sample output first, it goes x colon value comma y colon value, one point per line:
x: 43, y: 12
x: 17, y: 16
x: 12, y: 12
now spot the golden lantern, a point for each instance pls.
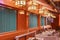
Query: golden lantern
x: 53, y: 16
x: 21, y: 12
x: 32, y: 5
x: 42, y: 10
x: 20, y: 2
x: 32, y: 2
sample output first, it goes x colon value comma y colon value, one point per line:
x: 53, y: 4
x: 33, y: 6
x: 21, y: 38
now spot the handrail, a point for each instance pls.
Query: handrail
x: 19, y: 36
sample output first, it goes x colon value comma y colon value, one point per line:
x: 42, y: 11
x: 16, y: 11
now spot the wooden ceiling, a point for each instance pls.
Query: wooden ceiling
x: 46, y: 3
x: 54, y: 3
x: 56, y: 0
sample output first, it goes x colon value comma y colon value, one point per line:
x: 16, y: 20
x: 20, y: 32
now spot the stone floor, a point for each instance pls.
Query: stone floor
x: 47, y: 35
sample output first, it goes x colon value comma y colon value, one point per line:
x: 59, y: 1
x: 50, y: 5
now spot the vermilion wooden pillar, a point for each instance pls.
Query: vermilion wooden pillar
x: 27, y: 21
x: 39, y: 22
x: 21, y: 22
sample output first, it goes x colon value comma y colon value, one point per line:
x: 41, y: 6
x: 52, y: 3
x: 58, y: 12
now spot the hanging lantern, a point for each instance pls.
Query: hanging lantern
x: 47, y: 13
x: 53, y: 16
x: 41, y: 10
x: 21, y: 12
x: 32, y: 7
x: 32, y: 2
x: 20, y: 2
